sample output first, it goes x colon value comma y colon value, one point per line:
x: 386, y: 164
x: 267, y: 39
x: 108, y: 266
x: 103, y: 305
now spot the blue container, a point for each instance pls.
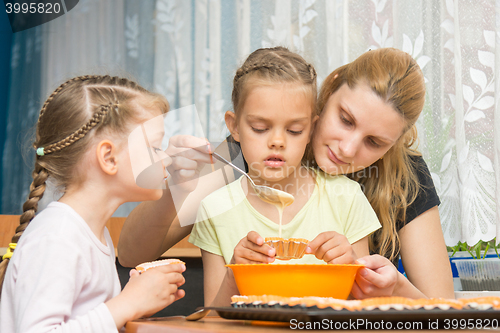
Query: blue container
x: 458, y: 255
x: 479, y: 274
x: 465, y: 255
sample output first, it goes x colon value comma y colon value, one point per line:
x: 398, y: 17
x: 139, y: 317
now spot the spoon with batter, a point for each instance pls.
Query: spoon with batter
x: 266, y: 193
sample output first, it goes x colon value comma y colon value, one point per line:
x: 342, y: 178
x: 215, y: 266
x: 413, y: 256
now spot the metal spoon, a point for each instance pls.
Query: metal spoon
x: 198, y: 314
x: 268, y: 194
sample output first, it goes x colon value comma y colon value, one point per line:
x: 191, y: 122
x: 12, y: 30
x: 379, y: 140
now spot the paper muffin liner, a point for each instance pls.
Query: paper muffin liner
x: 286, y: 249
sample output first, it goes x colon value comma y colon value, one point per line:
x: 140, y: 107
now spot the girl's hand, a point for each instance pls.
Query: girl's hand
x: 378, y: 278
x: 332, y: 247
x: 147, y: 293
x: 189, y: 155
x: 156, y: 288
x: 252, y: 250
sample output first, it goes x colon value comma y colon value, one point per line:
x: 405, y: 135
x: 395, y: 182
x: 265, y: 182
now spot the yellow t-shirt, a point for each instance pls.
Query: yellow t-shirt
x: 336, y: 204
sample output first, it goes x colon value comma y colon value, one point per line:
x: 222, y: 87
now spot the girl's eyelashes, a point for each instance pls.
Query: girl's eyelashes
x: 345, y: 120
x: 156, y: 149
x: 262, y: 130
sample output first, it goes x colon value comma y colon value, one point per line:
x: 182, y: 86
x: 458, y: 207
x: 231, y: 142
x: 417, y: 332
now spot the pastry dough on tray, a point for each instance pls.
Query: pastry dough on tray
x: 377, y: 303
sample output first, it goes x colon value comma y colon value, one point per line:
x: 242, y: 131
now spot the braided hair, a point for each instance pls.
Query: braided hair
x: 268, y: 66
x: 79, y: 109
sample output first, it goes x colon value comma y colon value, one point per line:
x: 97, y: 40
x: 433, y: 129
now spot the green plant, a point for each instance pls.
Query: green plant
x: 475, y: 250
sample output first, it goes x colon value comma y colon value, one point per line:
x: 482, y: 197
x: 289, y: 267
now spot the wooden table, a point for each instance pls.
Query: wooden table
x: 178, y: 324
x: 209, y: 324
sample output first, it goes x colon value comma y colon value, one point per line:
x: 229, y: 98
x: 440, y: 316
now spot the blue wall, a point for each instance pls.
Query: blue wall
x: 5, y: 52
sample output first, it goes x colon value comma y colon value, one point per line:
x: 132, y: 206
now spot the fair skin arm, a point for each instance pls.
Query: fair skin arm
x: 420, y: 259
x: 217, y: 280
x: 157, y: 223
x: 148, y: 224
x: 381, y: 278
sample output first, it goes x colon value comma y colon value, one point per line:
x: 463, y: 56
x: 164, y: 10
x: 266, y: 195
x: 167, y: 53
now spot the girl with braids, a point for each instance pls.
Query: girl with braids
x: 366, y: 129
x: 274, y: 98
x: 62, y: 276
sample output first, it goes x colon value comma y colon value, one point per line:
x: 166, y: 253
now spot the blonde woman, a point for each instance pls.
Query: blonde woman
x: 366, y: 130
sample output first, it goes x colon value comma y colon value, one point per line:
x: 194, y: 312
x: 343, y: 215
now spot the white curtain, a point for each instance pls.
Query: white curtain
x: 189, y: 51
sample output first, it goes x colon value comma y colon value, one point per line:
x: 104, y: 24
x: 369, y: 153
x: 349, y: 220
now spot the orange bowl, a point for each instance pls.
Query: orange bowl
x: 295, y: 280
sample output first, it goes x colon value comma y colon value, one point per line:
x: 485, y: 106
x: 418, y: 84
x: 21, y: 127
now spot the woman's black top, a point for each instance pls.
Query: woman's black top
x: 427, y: 197
x: 425, y: 200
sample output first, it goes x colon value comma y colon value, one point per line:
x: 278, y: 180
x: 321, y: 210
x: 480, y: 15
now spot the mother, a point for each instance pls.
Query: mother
x: 368, y: 109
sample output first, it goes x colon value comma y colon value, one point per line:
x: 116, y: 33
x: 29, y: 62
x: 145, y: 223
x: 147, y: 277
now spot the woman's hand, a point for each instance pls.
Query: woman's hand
x: 147, y: 293
x: 378, y: 278
x: 189, y: 155
x: 252, y: 250
x: 332, y: 247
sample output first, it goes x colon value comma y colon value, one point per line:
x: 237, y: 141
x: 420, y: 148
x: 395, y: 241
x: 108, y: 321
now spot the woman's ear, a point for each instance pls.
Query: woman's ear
x: 107, y: 156
x: 231, y: 124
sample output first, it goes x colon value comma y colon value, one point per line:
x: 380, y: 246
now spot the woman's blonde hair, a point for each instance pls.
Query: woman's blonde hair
x: 269, y: 66
x: 398, y: 80
x: 72, y: 115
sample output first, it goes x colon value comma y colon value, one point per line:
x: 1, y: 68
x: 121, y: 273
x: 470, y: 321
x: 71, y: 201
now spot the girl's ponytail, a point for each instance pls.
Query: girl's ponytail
x: 30, y: 207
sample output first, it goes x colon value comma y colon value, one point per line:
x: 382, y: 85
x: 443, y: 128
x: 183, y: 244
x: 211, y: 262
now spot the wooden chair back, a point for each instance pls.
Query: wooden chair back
x: 9, y: 223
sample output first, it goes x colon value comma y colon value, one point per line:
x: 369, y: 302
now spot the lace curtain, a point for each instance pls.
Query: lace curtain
x: 189, y: 51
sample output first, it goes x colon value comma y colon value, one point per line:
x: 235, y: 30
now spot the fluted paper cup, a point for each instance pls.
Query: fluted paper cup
x: 286, y: 249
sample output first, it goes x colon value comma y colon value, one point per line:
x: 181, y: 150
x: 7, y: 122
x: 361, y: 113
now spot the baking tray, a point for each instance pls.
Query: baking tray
x: 451, y: 318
